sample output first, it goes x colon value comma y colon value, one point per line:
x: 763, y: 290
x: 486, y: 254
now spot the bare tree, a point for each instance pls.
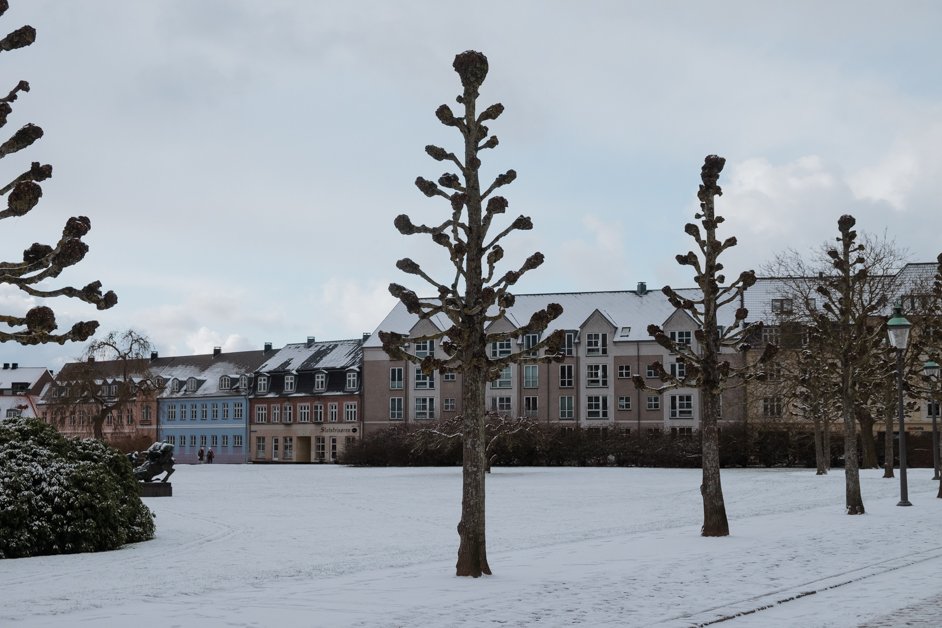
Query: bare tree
x: 473, y: 298
x: 40, y: 261
x: 706, y: 367
x: 113, y: 375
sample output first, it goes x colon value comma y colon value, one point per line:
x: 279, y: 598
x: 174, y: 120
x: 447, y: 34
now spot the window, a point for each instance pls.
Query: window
x: 214, y: 440
x: 263, y: 383
x: 192, y: 440
x: 237, y: 411
x: 259, y: 446
x: 275, y: 413
x: 320, y: 381
x: 287, y: 414
x: 500, y: 348
x: 237, y: 440
x: 13, y: 412
x: 129, y: 416
x: 172, y: 412
x: 318, y: 413
x: 679, y: 369
x: 932, y: 409
x: 289, y: 447
x: 773, y: 371
x: 596, y: 407
x: 191, y: 384
x: 449, y: 377
x: 782, y: 306
x: 274, y: 448
x: 172, y: 439
x: 350, y: 411
x: 596, y: 344
x: 771, y: 334
x: 566, y: 410
x: 624, y: 371
x: 225, y: 409
x: 449, y: 405
x: 423, y: 381
x: 225, y: 440
x: 424, y: 348
x: 531, y: 407
x: 565, y: 375
x: 395, y: 378
x: 654, y: 402
x: 214, y: 413
x: 192, y: 411
x: 649, y: 371
x: 174, y: 385
x: 501, y: 404
x: 320, y: 448
x: 425, y: 407
x: 304, y: 413
x: 225, y: 383
x: 243, y: 381
x: 624, y: 332
x: 596, y: 375
x: 202, y: 440
x: 624, y: 403
x: 353, y: 380
x: 681, y: 406
x: 772, y: 406
x: 261, y: 414
x: 204, y: 412
x: 289, y: 383
x: 504, y: 380
x: 530, y: 341
x: 531, y: 375
x: 569, y: 343
x: 681, y: 338
x: 395, y: 408
x: 332, y: 412
x: 145, y: 413
x: 681, y: 431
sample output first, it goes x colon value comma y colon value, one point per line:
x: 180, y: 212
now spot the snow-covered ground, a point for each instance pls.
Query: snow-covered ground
x: 335, y: 546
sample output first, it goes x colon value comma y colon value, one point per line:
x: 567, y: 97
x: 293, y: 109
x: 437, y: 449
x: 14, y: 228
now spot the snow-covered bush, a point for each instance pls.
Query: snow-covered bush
x: 62, y: 496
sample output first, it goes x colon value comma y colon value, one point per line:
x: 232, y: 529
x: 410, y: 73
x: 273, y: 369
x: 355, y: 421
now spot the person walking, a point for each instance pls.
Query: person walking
x: 199, y: 455
x: 210, y: 455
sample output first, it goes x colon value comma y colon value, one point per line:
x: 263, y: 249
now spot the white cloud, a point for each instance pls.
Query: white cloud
x: 353, y: 307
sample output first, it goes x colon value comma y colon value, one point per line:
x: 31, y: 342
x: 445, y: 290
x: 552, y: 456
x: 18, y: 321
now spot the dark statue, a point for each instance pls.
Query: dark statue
x: 157, y: 459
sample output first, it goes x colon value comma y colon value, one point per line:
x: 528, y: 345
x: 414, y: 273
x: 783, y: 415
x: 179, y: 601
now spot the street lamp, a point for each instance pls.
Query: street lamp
x: 931, y: 369
x: 897, y: 328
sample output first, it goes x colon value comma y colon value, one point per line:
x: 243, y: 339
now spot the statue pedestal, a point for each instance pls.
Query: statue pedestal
x: 156, y: 489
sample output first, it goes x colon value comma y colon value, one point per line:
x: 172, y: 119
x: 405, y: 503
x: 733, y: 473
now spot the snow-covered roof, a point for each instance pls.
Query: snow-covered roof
x: 626, y: 310
x: 207, y: 369
x: 29, y: 374
x: 312, y: 356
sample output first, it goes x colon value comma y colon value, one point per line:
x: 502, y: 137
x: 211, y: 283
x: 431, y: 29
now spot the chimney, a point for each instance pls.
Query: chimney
x: 267, y: 347
x: 217, y: 351
x: 6, y: 366
x: 91, y: 359
x: 642, y: 288
x: 14, y: 365
x: 153, y: 355
x: 366, y: 336
x: 310, y: 341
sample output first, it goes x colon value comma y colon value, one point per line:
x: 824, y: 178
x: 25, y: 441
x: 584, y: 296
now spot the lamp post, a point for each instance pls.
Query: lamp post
x: 931, y: 369
x: 897, y: 328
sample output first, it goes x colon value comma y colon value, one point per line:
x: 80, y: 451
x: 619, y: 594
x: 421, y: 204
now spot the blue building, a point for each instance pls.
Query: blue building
x: 204, y: 403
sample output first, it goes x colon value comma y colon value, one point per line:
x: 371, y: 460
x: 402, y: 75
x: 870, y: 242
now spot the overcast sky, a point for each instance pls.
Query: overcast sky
x: 242, y: 161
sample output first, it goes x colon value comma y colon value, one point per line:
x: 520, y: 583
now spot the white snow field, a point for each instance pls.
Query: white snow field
x: 332, y: 546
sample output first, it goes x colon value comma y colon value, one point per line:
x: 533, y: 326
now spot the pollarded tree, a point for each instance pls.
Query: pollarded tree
x: 113, y: 377
x: 474, y: 297
x: 40, y: 261
x: 706, y: 366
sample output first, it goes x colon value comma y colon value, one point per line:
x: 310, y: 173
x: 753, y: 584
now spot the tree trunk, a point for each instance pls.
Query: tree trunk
x: 888, y: 454
x: 472, y: 550
x: 853, y: 498
x: 867, y: 442
x: 819, y: 459
x: 714, y: 508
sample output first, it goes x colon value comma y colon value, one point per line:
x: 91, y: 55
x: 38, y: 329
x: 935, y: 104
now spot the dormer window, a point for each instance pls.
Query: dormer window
x: 782, y: 306
x: 174, y: 385
x: 244, y: 381
x: 500, y: 348
x: 530, y: 341
x: 159, y: 382
x: 353, y: 380
x: 191, y: 384
x: 263, y: 383
x: 596, y: 344
x: 289, y: 383
x: 569, y: 343
x: 424, y: 348
x: 225, y: 382
x: 320, y: 381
